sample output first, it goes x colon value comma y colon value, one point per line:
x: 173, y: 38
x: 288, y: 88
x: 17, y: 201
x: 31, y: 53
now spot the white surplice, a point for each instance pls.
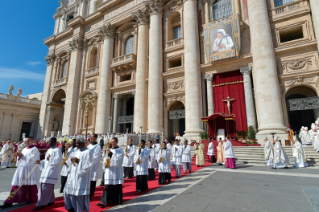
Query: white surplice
x: 210, y: 150
x: 128, y: 160
x: 305, y: 137
x: 229, y: 150
x: 79, y: 180
x: 186, y: 156
x: 7, y: 155
x: 268, y: 153
x: 177, y: 152
x: 314, y: 138
x: 151, y: 158
x: 96, y: 151
x: 26, y: 164
x: 114, y: 173
x: 66, y: 167
x: 280, y: 158
x: 165, y: 165
x: 157, y: 148
x: 168, y: 146
x: 299, y: 155
x: 51, y: 168
x: 142, y: 168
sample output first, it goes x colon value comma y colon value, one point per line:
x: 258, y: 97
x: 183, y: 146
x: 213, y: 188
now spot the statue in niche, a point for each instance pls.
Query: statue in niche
x: 55, y: 126
x: 11, y: 88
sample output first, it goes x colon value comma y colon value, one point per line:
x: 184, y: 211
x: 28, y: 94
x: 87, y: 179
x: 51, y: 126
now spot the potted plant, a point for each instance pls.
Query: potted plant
x: 203, y: 135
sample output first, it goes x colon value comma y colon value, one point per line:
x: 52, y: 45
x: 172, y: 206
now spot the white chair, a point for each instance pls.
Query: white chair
x: 221, y: 134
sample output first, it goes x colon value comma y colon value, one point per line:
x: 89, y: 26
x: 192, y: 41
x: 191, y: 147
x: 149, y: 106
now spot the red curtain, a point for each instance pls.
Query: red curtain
x: 235, y: 91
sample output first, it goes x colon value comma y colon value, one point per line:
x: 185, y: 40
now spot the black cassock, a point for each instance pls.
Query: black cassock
x: 141, y: 183
x: 128, y: 172
x: 112, y: 194
x: 151, y: 174
x: 163, y: 177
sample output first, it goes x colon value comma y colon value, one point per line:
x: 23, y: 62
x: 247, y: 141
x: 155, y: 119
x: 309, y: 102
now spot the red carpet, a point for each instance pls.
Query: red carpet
x: 128, y: 192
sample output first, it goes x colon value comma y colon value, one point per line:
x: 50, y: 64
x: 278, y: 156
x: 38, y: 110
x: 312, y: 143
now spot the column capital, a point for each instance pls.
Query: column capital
x: 191, y: 0
x: 50, y: 59
x: 115, y: 96
x: 245, y: 70
x: 154, y: 6
x: 107, y: 31
x: 76, y: 44
x: 133, y: 92
x: 208, y: 77
x: 141, y: 17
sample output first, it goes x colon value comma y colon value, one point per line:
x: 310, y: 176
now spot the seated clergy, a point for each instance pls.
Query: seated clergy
x: 151, y: 162
x: 128, y: 161
x: 280, y: 158
x: 141, y: 165
x: 268, y: 150
x: 164, y: 166
x: 299, y: 154
x: 186, y: 157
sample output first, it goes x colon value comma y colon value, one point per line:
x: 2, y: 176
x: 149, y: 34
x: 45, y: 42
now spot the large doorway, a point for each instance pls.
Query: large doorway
x: 126, y: 118
x: 176, y: 119
x: 298, y: 115
x: 26, y: 128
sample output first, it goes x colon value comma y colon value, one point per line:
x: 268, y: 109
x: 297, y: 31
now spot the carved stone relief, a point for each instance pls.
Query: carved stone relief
x: 299, y: 63
x: 174, y: 86
x: 299, y: 80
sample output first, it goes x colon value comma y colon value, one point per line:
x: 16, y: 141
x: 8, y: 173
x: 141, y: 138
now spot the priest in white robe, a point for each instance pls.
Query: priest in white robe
x: 67, y: 155
x: 157, y: 148
x: 280, y: 158
x: 96, y: 151
x: 168, y: 144
x: 20, y: 148
x: 29, y: 160
x: 314, y: 136
x: 151, y: 161
x: 186, y: 157
x: 164, y: 166
x: 210, y: 151
x: 220, y: 152
x: 299, y: 154
x: 128, y: 161
x: 173, y: 155
x: 113, y: 177
x: 268, y: 150
x: 50, y: 167
x: 77, y: 187
x: 230, y: 157
x: 177, y: 152
x: 200, y: 155
x: 7, y: 154
x: 141, y: 165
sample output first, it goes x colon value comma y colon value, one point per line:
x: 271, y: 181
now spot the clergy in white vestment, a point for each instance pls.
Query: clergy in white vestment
x: 128, y: 161
x: 210, y: 151
x: 20, y: 148
x: 230, y: 158
x: 305, y: 137
x: 177, y: 152
x: 29, y: 159
x: 299, y: 154
x: 141, y: 165
x: 151, y: 161
x: 157, y: 148
x: 113, y: 177
x: 77, y: 188
x: 168, y: 144
x: 186, y: 157
x: 164, y: 165
x: 314, y: 136
x: 50, y: 167
x: 220, y: 152
x: 171, y: 151
x: 67, y: 155
x: 200, y: 155
x: 96, y: 151
x: 268, y: 151
x: 7, y: 154
x: 280, y: 158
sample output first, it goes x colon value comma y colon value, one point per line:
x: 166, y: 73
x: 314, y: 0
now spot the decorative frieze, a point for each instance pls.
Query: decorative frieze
x: 309, y: 103
x: 175, y: 98
x: 177, y: 85
x: 298, y: 63
x: 176, y: 114
x: 125, y: 119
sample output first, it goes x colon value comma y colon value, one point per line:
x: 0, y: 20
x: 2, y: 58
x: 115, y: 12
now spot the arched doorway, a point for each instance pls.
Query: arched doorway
x: 55, y: 113
x: 298, y: 115
x: 176, y: 119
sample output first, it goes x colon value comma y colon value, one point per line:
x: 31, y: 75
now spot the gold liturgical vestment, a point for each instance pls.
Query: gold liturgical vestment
x: 220, y: 153
x: 200, y: 158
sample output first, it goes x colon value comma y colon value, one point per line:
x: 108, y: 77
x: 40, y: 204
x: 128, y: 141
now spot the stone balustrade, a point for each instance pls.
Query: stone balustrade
x: 292, y: 8
x: 59, y: 82
x: 174, y: 44
x: 30, y: 101
x: 92, y: 72
x: 4, y: 96
x: 124, y: 62
x: 13, y: 98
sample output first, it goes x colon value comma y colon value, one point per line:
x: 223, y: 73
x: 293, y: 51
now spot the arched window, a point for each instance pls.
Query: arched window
x: 65, y: 69
x: 177, y: 32
x: 282, y: 2
x: 222, y: 9
x: 93, y: 58
x: 129, y: 45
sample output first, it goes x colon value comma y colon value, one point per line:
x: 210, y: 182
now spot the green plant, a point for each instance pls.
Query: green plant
x: 203, y: 135
x: 248, y: 142
x: 251, y: 133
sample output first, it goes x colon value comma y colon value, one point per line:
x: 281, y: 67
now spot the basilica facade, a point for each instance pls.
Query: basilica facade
x: 160, y: 65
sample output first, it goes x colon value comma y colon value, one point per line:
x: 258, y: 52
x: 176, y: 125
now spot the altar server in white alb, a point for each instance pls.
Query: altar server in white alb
x: 280, y: 158
x: 186, y: 157
x: 168, y: 144
x: 6, y: 154
x: 268, y: 150
x: 77, y: 187
x: 113, y: 177
x: 157, y: 148
x: 177, y: 152
x: 67, y: 155
x: 299, y: 154
x: 29, y: 159
x: 230, y: 157
x: 151, y: 162
x: 96, y: 151
x: 164, y: 166
x: 210, y: 151
x: 128, y: 161
x: 20, y: 148
x: 141, y: 165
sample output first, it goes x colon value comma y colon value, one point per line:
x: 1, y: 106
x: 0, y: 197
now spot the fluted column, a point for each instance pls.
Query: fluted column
x: 142, y: 19
x: 249, y: 100
x: 155, y: 87
x: 206, y: 11
x: 193, y: 100
x: 315, y: 18
x: 104, y: 99
x: 115, y: 109
x: 267, y: 93
x: 210, y: 95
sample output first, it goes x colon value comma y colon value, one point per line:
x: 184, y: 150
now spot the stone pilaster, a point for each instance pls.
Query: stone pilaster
x: 193, y: 100
x: 104, y: 99
x: 115, y: 109
x: 206, y: 2
x: 210, y: 94
x: 155, y: 88
x: 140, y: 111
x: 267, y: 93
x: 45, y: 95
x: 249, y: 100
x: 315, y: 18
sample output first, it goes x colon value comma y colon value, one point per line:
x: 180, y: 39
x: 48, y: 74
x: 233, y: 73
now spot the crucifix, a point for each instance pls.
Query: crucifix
x: 228, y: 100
x: 88, y: 102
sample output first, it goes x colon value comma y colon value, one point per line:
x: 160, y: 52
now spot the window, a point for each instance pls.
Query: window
x: 282, y: 2
x: 129, y: 45
x: 291, y: 34
x: 176, y: 62
x: 125, y: 77
x: 65, y: 69
x: 222, y: 9
x: 68, y: 18
x: 177, y: 32
x: 93, y: 58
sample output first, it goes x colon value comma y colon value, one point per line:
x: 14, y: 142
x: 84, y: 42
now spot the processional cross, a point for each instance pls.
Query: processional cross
x: 88, y: 102
x: 228, y: 100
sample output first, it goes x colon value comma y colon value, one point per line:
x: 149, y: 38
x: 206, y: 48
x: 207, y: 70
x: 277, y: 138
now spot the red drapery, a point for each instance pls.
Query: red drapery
x: 231, y: 84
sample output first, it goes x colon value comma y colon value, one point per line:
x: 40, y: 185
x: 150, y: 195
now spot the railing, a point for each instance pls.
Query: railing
x: 3, y: 96
x: 59, y: 82
x: 289, y: 8
x: 175, y: 42
x: 124, y: 58
x: 125, y: 119
x: 30, y: 101
x: 124, y: 62
x: 92, y: 72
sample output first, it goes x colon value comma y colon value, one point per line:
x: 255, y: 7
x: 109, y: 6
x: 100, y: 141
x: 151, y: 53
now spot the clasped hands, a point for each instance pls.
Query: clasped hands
x: 75, y: 160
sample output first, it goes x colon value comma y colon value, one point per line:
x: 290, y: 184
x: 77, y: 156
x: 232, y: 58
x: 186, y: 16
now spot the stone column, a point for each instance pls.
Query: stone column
x: 206, y: 11
x: 104, y: 99
x: 315, y: 18
x: 193, y: 99
x: 141, y: 68
x: 49, y: 121
x: 116, y: 105
x: 249, y: 100
x: 155, y: 82
x: 267, y: 92
x: 45, y: 95
x: 210, y: 94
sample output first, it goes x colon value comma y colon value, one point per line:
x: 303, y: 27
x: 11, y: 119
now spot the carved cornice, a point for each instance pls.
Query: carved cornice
x: 141, y: 17
x: 77, y: 44
x: 154, y: 6
x: 107, y: 31
x: 209, y: 77
x: 50, y: 59
x: 245, y: 70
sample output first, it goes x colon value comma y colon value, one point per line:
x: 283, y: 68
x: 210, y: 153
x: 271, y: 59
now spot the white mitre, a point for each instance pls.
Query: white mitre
x: 313, y: 126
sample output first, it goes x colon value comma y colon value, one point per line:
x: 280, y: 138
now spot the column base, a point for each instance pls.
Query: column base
x: 192, y: 135
x: 260, y: 136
